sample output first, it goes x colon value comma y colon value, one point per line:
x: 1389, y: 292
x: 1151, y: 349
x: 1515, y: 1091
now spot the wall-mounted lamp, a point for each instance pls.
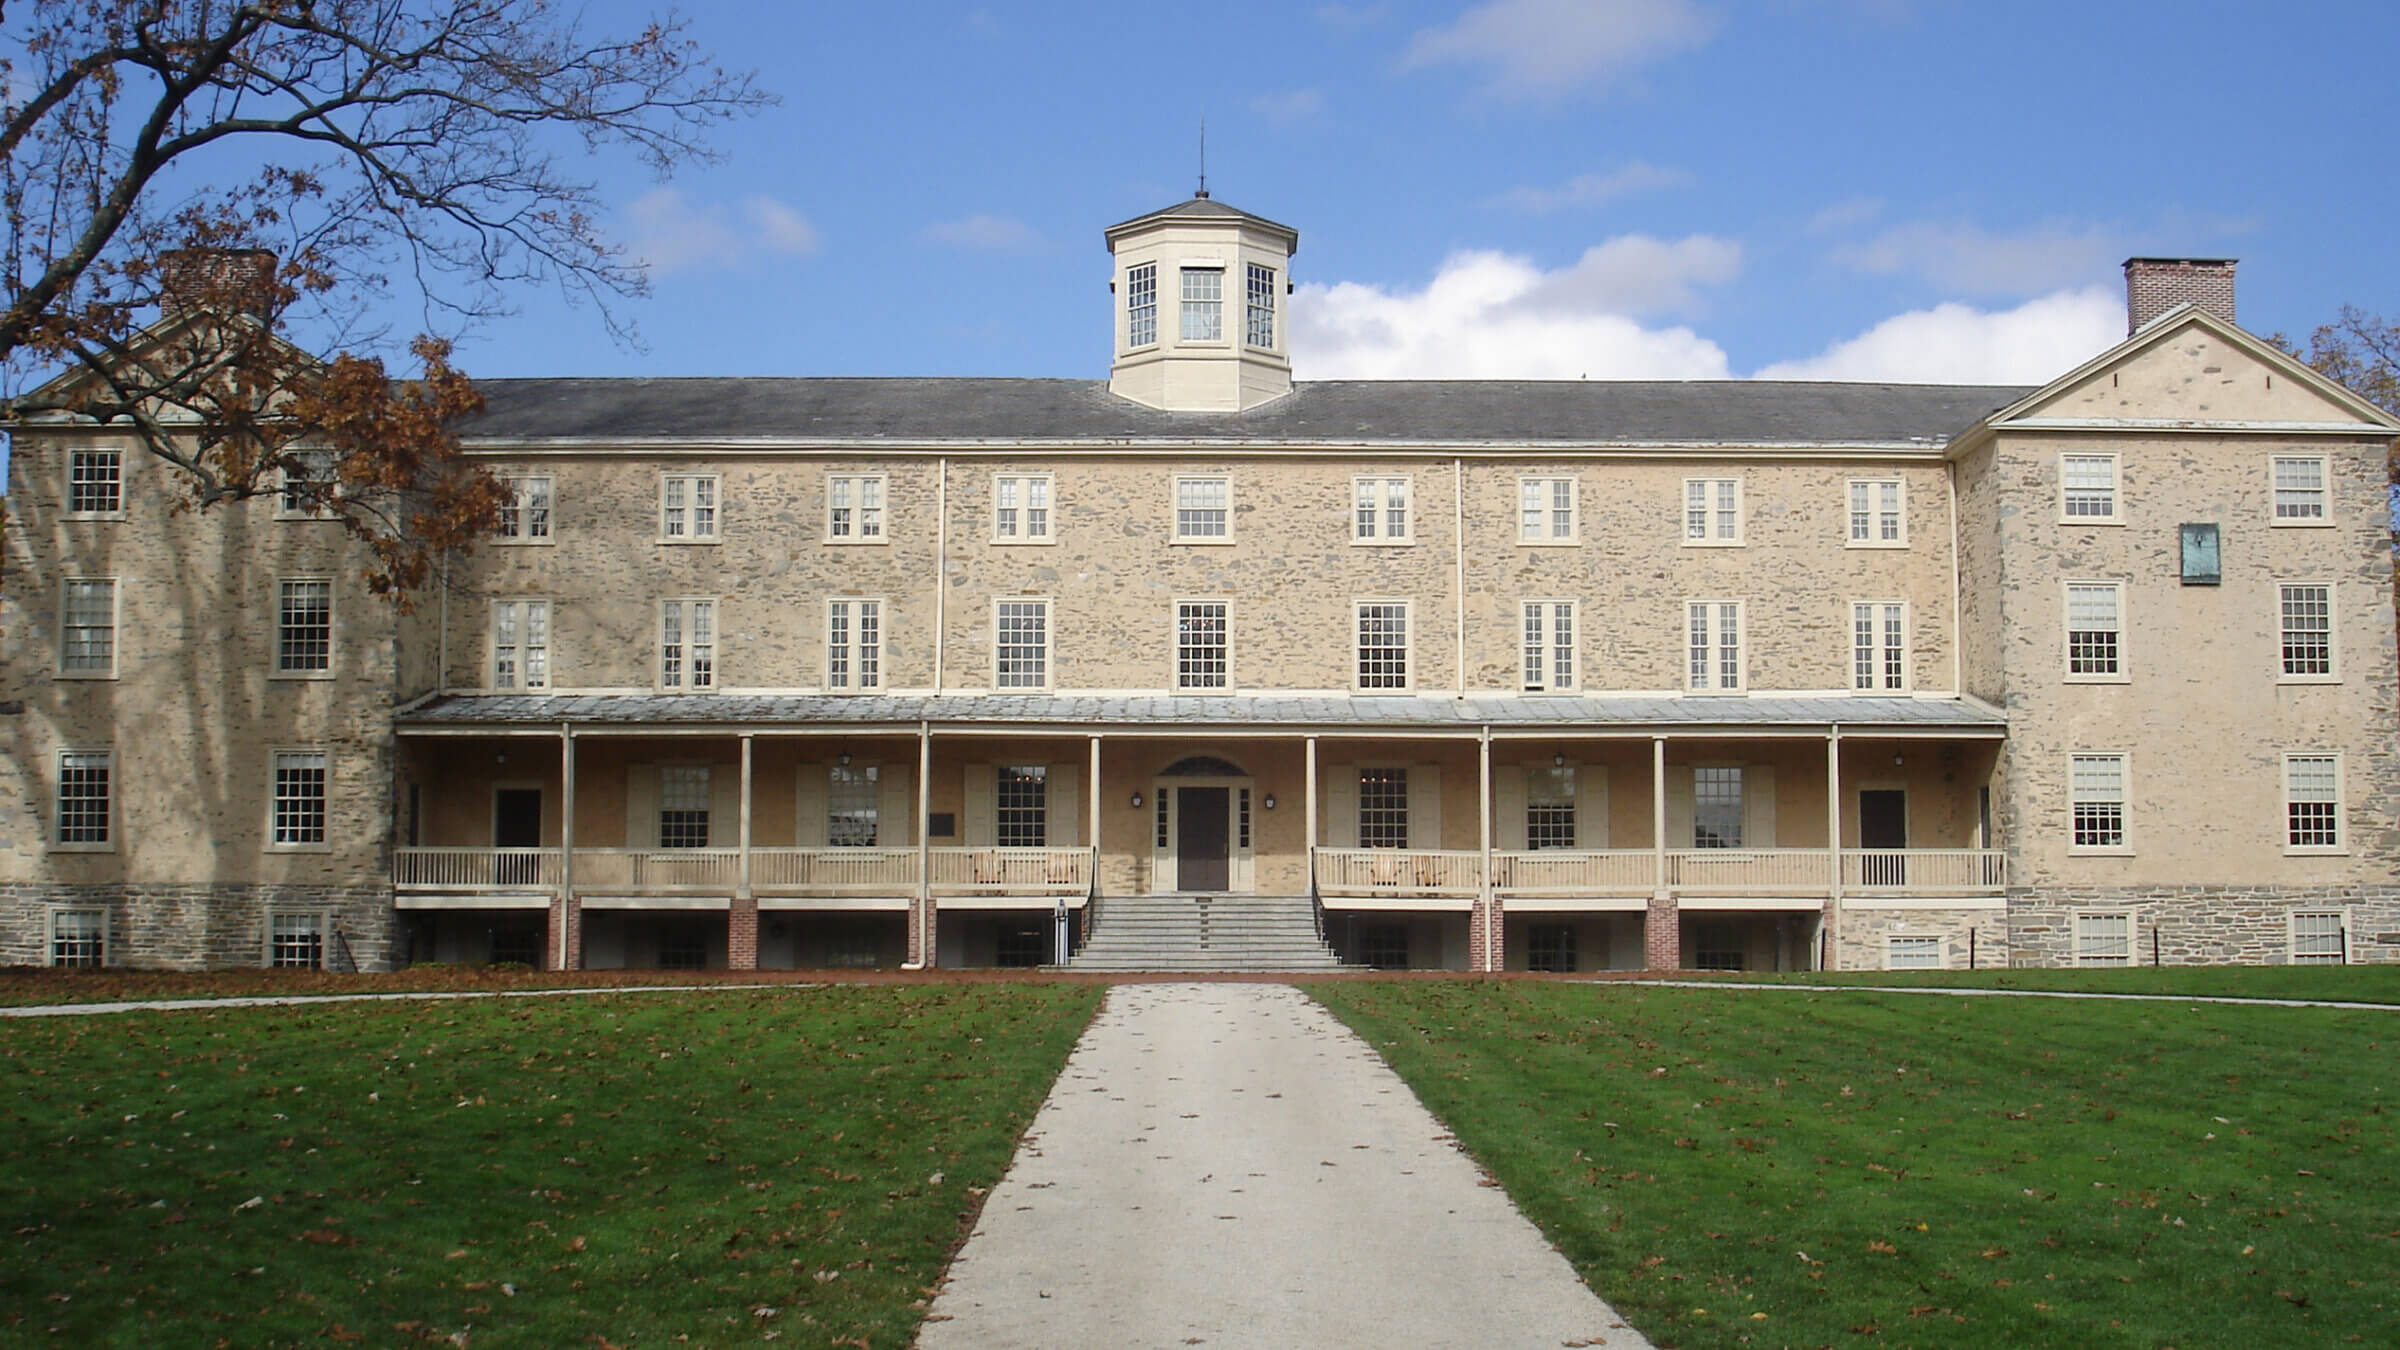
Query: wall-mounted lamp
x: 501, y: 758
x: 1559, y: 760
x: 843, y: 759
x: 1268, y: 801
x: 1898, y: 758
x: 1137, y: 801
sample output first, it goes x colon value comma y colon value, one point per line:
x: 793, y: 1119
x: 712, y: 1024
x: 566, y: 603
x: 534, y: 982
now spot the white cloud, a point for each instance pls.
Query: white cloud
x: 1550, y: 46
x: 1958, y: 344
x: 1971, y: 259
x: 1489, y: 315
x: 1636, y: 274
x: 1845, y: 213
x: 1593, y: 189
x: 669, y: 233
x: 991, y: 234
x: 1287, y: 109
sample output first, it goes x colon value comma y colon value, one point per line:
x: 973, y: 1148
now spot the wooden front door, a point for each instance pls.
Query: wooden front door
x: 1883, y: 824
x: 1202, y: 839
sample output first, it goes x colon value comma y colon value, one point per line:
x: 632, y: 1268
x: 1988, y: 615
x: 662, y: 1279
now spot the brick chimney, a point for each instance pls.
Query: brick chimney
x: 2155, y: 285
x: 217, y: 280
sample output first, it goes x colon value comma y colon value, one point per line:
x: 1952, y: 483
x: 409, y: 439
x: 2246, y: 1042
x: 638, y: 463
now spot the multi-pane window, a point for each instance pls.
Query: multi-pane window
x: 1379, y: 509
x: 683, y: 947
x: 2318, y: 939
x: 2307, y: 610
x: 1546, y: 510
x: 1021, y: 806
x: 1550, y: 806
x: 2299, y: 489
x: 854, y: 506
x: 1717, y: 806
x: 1141, y: 305
x: 1912, y: 952
x: 1879, y: 646
x: 854, y: 644
x: 1021, y: 508
x: 95, y: 482
x: 2312, y: 802
x: 1384, y: 946
x: 1203, y: 304
x: 852, y: 802
x: 2096, y: 800
x: 1712, y: 510
x: 1876, y: 518
x: 2104, y: 939
x: 1021, y: 644
x: 1548, y: 627
x: 2095, y: 624
x: 1713, y: 643
x: 83, y: 797
x: 1203, y: 510
x: 1258, y: 329
x: 525, y: 516
x: 687, y: 644
x: 78, y: 937
x: 308, y: 481
x: 1550, y: 947
x: 87, y: 626
x: 2087, y: 487
x: 1383, y: 644
x: 1201, y: 660
x: 520, y: 644
x: 296, y: 941
x: 1383, y: 808
x: 683, y: 805
x: 299, y: 806
x: 687, y: 506
x: 304, y: 626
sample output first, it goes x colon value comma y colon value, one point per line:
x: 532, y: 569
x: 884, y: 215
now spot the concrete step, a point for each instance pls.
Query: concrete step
x: 1220, y: 933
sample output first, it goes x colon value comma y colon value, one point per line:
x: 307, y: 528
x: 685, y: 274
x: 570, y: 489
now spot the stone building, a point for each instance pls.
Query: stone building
x: 1466, y: 675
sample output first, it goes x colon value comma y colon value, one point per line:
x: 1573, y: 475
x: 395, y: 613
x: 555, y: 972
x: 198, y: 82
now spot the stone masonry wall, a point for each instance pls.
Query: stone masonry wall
x: 2204, y: 925
x: 1865, y: 931
x: 201, y: 927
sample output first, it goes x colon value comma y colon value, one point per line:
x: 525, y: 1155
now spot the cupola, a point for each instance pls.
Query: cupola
x: 1199, y: 291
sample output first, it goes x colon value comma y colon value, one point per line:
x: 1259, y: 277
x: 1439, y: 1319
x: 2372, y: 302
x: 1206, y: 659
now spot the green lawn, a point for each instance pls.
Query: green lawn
x: 714, y: 1168
x: 2345, y: 984
x: 1738, y: 1168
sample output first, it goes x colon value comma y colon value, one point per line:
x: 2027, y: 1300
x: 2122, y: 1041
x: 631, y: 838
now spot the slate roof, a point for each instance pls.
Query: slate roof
x: 774, y: 411
x: 1055, y: 711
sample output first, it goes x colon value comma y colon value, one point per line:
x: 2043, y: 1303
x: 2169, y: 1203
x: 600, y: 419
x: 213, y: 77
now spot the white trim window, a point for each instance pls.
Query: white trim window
x: 2300, y: 491
x: 79, y: 938
x: 1204, y: 304
x: 685, y: 792
x: 854, y: 508
x: 1913, y: 951
x: 1879, y: 647
x: 85, y: 801
x: 308, y: 485
x: 2319, y: 937
x: 1550, y: 806
x: 687, y: 508
x: 1382, y: 807
x: 2104, y: 939
x: 1203, y: 509
x: 853, y: 644
x: 1712, y: 512
x: 1379, y: 510
x: 1021, y: 806
x: 853, y: 805
x: 1546, y: 511
x: 1382, y: 665
x: 687, y: 643
x: 96, y: 484
x: 1021, y: 644
x: 2096, y: 803
x: 2095, y: 630
x: 1878, y: 513
x: 1258, y: 326
x: 1141, y: 305
x: 1548, y: 627
x: 1713, y: 645
x: 1203, y: 653
x: 296, y: 941
x: 1021, y: 508
x: 2312, y: 803
x: 1717, y: 806
x: 2306, y: 610
x: 525, y: 516
x: 297, y: 808
x: 87, y: 627
x: 2087, y: 489
x: 520, y: 644
x: 304, y: 626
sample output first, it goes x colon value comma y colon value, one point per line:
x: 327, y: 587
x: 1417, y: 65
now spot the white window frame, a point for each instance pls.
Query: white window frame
x: 2115, y: 488
x: 1393, y: 806
x: 285, y: 507
x: 2341, y: 824
x: 1141, y: 306
x: 1406, y: 647
x: 1880, y: 520
x: 687, y: 529
x: 1891, y: 951
x: 848, y: 517
x: 695, y: 652
x: 1020, y: 524
x: 1538, y: 511
x: 1739, y: 822
x: 1713, y: 511
x: 525, y: 621
x: 854, y: 638
x: 680, y: 785
x: 282, y: 671
x: 1186, y: 654
x: 77, y: 454
x: 2067, y: 630
x: 116, y: 629
x: 2087, y: 938
x: 1549, y: 662
x: 2332, y: 674
x: 57, y: 833
x: 2324, y: 491
x: 1376, y: 527
x: 1712, y: 679
x: 1045, y: 650
x: 1178, y: 506
x: 1883, y: 650
x: 51, y: 937
x: 277, y: 757
x: 531, y: 516
x: 2123, y: 801
x: 1258, y: 306
x: 316, y: 919
x: 1030, y: 825
x: 1205, y: 313
x: 2343, y: 927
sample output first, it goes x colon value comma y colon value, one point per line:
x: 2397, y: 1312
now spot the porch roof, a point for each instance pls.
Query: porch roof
x: 1334, y: 713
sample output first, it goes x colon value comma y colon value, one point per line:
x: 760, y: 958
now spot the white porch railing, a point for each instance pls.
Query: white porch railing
x: 1966, y: 871
x: 1012, y: 871
x: 475, y: 869
x: 834, y: 871
x: 1398, y: 871
x: 1565, y: 871
x: 657, y: 869
x: 1790, y: 871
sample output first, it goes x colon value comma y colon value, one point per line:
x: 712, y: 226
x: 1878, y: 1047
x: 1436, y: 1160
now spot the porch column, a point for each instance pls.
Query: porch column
x: 1485, y: 940
x: 566, y: 915
x: 1092, y: 829
x: 741, y: 917
x: 1662, y: 926
x: 1833, y: 836
x: 920, y: 909
x: 1308, y: 812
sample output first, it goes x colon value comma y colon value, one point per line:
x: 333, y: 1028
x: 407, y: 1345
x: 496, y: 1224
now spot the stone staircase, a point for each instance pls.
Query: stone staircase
x: 1205, y: 933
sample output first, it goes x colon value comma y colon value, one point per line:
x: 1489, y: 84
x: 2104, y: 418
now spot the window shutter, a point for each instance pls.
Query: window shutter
x: 1508, y: 797
x: 725, y: 805
x: 1425, y: 806
x: 982, y: 823
x: 641, y: 806
x: 811, y: 803
x: 896, y: 807
x: 1591, y: 806
x: 1341, y: 805
x: 1758, y: 806
x: 1679, y: 806
x: 1066, y: 805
